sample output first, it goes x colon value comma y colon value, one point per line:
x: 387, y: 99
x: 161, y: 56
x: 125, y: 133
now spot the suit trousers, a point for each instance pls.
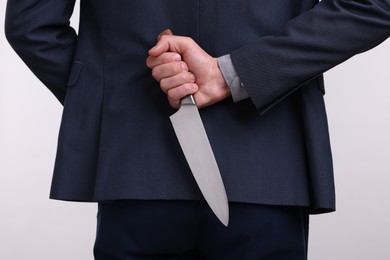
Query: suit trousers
x: 137, y: 229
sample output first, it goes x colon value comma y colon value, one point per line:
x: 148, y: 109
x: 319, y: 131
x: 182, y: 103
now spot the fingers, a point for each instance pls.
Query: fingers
x: 179, y: 79
x: 175, y: 85
x: 166, y: 57
x: 175, y: 95
x: 168, y: 70
x: 166, y: 61
x: 174, y: 77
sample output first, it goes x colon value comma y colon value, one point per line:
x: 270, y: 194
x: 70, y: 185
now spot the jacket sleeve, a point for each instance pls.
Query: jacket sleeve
x: 315, y: 41
x: 39, y: 32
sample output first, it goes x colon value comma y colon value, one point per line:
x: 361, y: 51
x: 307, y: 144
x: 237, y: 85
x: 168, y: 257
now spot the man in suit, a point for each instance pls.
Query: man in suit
x: 117, y: 147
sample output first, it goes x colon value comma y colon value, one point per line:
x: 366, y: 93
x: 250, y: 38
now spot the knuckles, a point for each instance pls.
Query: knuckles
x: 164, y: 84
x: 156, y: 73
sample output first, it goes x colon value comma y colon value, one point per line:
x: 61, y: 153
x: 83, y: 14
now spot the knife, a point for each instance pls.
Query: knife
x: 193, y: 140
x: 197, y: 150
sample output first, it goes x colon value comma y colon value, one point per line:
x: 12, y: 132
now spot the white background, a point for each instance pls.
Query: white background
x: 34, y: 227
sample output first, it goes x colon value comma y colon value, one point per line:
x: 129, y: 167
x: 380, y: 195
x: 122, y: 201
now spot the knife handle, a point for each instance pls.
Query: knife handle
x: 188, y: 100
x: 165, y: 32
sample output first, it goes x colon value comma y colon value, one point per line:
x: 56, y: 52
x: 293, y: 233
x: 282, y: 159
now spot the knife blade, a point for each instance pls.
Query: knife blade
x: 197, y: 150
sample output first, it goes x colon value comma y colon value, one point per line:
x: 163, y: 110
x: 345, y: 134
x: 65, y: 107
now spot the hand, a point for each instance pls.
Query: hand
x: 183, y: 68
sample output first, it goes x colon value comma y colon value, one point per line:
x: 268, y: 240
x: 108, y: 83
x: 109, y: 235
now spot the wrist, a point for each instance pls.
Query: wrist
x: 220, y: 82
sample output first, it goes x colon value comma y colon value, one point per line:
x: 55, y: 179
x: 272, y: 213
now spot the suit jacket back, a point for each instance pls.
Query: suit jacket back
x: 116, y: 141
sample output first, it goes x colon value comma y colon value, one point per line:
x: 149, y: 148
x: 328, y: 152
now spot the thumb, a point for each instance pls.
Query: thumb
x: 170, y: 43
x: 161, y: 46
x: 157, y: 50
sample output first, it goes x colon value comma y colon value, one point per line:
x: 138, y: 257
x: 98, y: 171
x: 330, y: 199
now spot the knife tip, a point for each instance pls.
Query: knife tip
x: 224, y: 219
x: 226, y: 223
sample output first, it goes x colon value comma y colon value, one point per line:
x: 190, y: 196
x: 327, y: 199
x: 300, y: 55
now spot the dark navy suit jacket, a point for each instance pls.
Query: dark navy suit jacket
x: 116, y: 141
